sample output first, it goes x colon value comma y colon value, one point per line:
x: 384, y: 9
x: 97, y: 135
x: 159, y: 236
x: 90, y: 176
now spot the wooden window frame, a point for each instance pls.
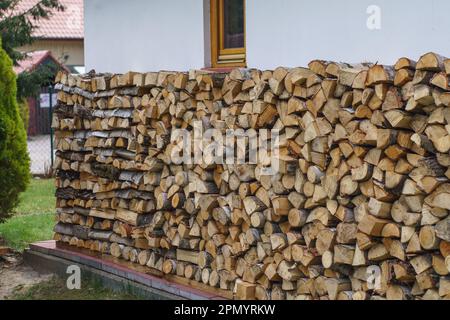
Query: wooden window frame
x: 221, y: 57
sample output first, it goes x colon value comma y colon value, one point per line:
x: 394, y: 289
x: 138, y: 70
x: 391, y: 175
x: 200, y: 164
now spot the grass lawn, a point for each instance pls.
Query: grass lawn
x: 34, y: 218
x: 34, y: 221
x: 56, y: 289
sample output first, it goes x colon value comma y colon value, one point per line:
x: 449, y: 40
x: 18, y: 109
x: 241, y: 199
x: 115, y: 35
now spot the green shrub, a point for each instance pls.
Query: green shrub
x: 14, y: 159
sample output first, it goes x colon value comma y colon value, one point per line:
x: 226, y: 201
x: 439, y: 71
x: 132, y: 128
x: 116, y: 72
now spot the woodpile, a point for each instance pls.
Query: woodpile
x: 358, y: 209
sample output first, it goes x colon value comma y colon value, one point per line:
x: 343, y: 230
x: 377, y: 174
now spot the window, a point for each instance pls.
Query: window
x: 228, y: 33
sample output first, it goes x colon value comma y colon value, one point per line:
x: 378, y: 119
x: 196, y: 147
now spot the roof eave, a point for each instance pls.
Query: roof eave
x: 58, y: 38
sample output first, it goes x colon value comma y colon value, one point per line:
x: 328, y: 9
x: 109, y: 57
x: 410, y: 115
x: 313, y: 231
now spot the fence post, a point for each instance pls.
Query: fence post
x: 50, y: 92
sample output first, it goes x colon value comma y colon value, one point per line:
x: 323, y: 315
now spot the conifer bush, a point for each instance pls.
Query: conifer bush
x: 14, y: 159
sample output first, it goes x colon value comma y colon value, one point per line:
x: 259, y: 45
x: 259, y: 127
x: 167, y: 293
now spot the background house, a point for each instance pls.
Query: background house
x: 39, y: 123
x: 183, y: 34
x: 40, y: 120
x: 59, y: 42
x: 62, y: 34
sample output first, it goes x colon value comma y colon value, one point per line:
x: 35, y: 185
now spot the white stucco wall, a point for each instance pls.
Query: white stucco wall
x: 294, y: 32
x: 144, y: 35
x: 148, y: 35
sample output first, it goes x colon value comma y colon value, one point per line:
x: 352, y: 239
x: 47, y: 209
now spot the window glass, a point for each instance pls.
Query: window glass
x: 233, y: 29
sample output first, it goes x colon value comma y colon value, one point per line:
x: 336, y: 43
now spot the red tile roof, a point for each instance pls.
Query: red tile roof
x: 67, y: 24
x: 33, y: 60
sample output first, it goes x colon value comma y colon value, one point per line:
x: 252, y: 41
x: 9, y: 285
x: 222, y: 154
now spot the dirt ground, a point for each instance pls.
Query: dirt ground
x: 15, y: 277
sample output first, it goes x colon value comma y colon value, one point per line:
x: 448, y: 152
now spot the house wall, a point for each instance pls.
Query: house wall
x: 144, y: 35
x: 174, y: 34
x: 294, y: 32
x: 72, y: 49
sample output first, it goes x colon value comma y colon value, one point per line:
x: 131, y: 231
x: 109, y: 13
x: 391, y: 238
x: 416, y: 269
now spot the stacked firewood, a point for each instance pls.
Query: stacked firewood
x: 357, y: 208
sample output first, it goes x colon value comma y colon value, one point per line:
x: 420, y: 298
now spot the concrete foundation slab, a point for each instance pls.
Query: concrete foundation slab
x: 118, y: 275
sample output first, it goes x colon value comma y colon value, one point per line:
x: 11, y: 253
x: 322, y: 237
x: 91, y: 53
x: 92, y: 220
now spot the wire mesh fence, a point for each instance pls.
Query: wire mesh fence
x: 40, y: 146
